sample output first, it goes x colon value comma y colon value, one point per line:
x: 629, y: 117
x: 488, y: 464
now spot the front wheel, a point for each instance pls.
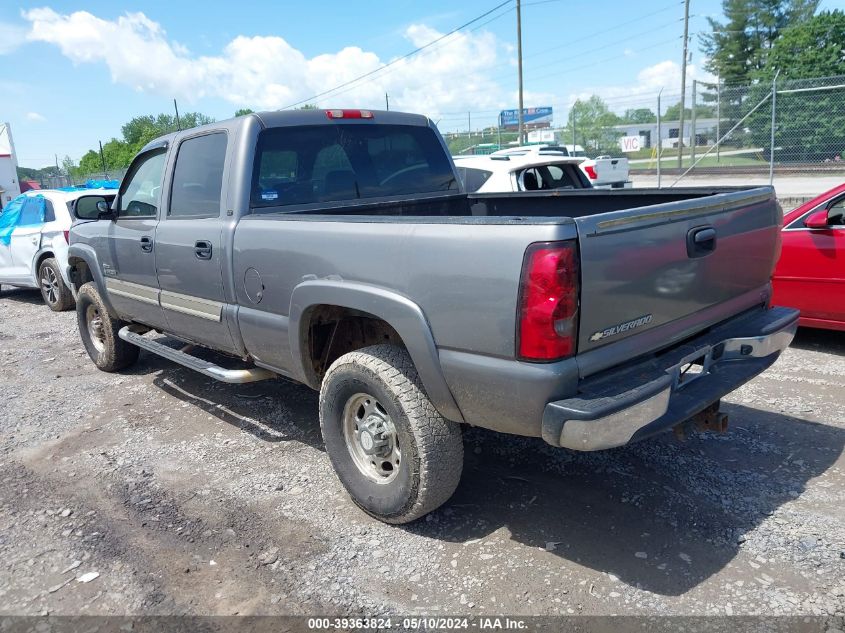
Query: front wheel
x: 398, y: 458
x: 99, y: 329
x: 55, y: 293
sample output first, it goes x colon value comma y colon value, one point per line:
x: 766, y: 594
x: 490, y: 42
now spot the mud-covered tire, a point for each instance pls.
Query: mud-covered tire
x: 108, y: 351
x: 431, y: 446
x: 55, y: 293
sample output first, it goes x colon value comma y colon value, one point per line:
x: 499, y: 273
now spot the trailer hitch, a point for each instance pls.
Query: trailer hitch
x: 709, y: 419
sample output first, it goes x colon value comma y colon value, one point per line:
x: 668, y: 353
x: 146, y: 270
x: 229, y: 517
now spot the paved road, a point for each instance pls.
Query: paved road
x: 787, y: 186
x: 192, y: 497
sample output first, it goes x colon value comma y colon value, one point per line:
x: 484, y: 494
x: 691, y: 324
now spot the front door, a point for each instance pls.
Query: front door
x: 812, y: 268
x: 128, y: 258
x: 189, y: 247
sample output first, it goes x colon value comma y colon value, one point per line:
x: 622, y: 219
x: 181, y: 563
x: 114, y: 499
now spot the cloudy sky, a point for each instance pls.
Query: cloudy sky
x: 73, y: 72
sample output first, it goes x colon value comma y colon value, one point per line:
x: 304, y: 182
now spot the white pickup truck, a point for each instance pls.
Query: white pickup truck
x: 603, y: 172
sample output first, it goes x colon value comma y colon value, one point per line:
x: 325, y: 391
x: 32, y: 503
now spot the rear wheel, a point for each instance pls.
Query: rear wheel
x: 398, y: 458
x: 99, y: 329
x: 55, y: 293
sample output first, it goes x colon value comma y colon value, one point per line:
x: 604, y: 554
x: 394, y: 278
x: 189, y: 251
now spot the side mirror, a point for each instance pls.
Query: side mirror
x: 817, y: 220
x: 103, y: 210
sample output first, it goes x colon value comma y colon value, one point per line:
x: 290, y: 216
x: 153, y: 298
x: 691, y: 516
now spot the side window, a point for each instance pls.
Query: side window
x: 141, y: 194
x: 475, y: 178
x: 49, y: 211
x: 198, y: 176
x: 836, y: 213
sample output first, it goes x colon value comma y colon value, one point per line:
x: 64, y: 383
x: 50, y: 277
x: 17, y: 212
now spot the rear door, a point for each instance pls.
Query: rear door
x: 189, y: 247
x: 26, y: 238
x: 128, y: 252
x: 676, y: 267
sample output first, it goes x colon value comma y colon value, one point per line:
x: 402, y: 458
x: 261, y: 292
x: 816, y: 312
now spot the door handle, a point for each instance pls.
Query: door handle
x: 701, y: 241
x: 147, y: 244
x: 202, y: 249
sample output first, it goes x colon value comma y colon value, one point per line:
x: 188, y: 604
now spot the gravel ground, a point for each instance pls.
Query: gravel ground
x: 186, y: 496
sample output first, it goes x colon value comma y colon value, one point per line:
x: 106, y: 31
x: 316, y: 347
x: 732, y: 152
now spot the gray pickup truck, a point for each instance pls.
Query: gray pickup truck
x: 337, y: 248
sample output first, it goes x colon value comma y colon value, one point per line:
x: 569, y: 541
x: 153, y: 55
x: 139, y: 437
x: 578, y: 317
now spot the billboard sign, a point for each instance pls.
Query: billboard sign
x: 531, y: 118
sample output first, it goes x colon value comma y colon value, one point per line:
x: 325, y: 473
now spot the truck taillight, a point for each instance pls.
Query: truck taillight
x: 547, y: 318
x: 349, y: 114
x: 67, y: 236
x: 591, y: 172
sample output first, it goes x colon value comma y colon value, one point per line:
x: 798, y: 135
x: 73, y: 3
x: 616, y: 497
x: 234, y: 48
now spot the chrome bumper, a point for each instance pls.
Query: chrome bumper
x: 619, y: 407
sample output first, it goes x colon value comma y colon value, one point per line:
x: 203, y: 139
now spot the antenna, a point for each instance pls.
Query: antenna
x: 178, y: 122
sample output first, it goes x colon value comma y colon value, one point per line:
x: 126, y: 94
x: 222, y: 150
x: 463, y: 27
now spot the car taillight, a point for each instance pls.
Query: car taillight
x: 547, y: 318
x: 591, y: 172
x: 349, y: 114
x: 67, y: 236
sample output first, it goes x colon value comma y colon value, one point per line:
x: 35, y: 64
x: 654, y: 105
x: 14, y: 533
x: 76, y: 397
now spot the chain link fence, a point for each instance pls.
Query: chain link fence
x: 782, y: 127
x: 65, y: 180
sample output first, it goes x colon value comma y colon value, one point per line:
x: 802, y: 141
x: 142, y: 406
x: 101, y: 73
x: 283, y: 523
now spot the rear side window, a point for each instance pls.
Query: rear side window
x: 326, y: 163
x: 198, y: 176
x: 473, y: 179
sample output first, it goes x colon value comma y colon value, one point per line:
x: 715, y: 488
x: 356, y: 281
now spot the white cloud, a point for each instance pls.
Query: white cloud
x: 11, y: 37
x: 266, y: 72
x: 35, y: 117
x: 650, y: 80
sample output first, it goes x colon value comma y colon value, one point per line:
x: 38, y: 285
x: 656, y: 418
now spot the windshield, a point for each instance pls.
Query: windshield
x: 324, y: 163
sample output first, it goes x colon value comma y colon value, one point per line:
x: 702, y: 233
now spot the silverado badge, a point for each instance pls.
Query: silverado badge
x: 622, y: 327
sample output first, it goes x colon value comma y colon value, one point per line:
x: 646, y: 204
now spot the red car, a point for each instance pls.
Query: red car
x: 810, y: 274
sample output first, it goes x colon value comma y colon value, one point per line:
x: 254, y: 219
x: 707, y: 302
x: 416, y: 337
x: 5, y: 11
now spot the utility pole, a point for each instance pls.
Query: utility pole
x: 692, y: 125
x: 519, y: 63
x: 386, y: 102
x: 469, y: 124
x: 683, y: 85
x: 659, y: 138
x: 774, y: 112
x: 103, y: 161
x: 718, y: 114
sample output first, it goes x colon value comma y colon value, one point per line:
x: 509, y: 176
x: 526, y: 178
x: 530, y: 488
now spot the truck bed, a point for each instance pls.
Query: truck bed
x: 539, y: 204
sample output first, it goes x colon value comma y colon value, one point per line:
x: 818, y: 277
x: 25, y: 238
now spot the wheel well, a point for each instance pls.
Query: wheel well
x: 334, y: 331
x: 79, y: 273
x: 40, y: 260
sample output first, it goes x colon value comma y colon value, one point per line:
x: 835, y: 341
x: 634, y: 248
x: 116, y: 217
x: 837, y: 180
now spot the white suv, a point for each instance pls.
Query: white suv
x: 527, y: 172
x: 33, y: 240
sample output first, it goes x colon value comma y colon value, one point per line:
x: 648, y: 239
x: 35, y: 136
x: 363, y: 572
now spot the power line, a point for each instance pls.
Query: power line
x: 399, y: 59
x: 440, y: 45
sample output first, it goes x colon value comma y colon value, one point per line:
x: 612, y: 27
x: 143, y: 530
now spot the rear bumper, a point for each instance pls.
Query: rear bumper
x: 623, y: 405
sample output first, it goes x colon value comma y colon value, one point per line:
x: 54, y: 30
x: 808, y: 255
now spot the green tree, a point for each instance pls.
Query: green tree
x: 243, y: 111
x: 702, y: 111
x: 810, y: 125
x: 639, y: 115
x: 118, y: 153
x: 594, y: 123
x: 738, y: 48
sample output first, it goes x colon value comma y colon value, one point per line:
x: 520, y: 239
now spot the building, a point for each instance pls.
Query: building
x: 9, y: 186
x: 705, y: 132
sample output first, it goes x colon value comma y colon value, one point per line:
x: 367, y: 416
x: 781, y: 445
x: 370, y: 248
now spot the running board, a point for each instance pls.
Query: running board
x: 233, y: 376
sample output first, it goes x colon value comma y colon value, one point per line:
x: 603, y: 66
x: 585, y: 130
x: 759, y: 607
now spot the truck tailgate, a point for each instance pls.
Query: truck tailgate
x: 610, y: 170
x: 650, y: 266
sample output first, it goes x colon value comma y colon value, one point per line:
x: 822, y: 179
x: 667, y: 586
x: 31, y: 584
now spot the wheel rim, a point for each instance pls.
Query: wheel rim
x: 371, y: 438
x: 95, y: 328
x: 49, y: 284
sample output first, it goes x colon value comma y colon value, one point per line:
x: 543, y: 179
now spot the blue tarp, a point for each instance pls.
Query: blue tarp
x: 93, y: 184
x: 22, y: 211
